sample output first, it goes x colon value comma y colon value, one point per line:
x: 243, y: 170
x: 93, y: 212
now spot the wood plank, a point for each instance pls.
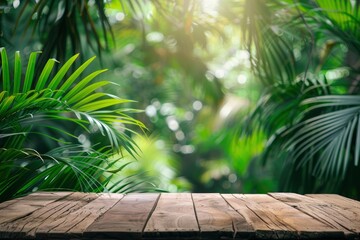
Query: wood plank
x: 272, y: 219
x: 329, y: 214
x: 262, y: 230
x: 15, y: 209
x: 126, y: 219
x: 12, y: 201
x: 9, y: 202
x: 294, y: 222
x: 338, y: 200
x: 217, y: 219
x: 350, y: 209
x: 180, y: 215
x: 75, y: 223
x: 31, y: 195
x: 27, y: 225
x: 174, y: 216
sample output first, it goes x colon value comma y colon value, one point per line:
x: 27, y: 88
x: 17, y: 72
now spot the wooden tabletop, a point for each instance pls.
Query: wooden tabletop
x: 64, y: 215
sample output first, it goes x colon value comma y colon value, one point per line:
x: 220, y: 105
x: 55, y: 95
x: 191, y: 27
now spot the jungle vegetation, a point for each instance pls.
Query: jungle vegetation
x: 200, y: 95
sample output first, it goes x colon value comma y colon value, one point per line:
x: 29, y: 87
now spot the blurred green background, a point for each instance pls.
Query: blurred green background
x: 242, y: 96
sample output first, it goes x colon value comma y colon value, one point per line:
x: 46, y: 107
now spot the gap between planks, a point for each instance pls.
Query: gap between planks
x: 151, y: 212
x: 173, y: 217
x: 195, y: 213
x: 126, y: 219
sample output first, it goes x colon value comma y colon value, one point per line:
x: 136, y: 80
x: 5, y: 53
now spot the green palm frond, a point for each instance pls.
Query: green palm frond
x: 57, y: 109
x: 55, y: 170
x: 269, y: 42
x: 280, y: 105
x: 55, y: 97
x: 340, y: 18
x: 323, y: 146
x: 314, y: 133
x: 337, y: 131
x: 65, y: 26
x: 272, y: 31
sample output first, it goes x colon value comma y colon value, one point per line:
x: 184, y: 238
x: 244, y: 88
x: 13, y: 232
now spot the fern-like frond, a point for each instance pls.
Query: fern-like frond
x: 57, y: 110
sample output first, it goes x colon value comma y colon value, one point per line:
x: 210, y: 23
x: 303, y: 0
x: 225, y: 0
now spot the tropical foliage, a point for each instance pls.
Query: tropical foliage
x: 46, y: 124
x: 216, y: 80
x: 312, y: 118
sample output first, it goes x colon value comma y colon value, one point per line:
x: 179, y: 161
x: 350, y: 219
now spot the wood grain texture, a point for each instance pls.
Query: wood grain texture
x: 329, y: 214
x: 349, y: 209
x: 274, y: 219
x: 66, y: 215
x: 218, y: 219
x: 126, y: 219
x: 76, y: 222
x: 15, y: 209
x: 262, y: 230
x: 9, y: 202
x: 294, y: 223
x: 338, y: 200
x: 28, y: 225
x: 174, y: 216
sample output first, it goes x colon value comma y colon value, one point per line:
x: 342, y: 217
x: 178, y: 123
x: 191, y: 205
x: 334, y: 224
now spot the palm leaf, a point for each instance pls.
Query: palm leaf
x: 62, y: 23
x: 5, y: 70
x: 44, y: 76
x: 271, y: 56
x: 68, y: 83
x: 61, y: 73
x: 17, y: 72
x: 339, y: 18
x: 48, y: 110
x: 30, y: 71
x: 326, y: 142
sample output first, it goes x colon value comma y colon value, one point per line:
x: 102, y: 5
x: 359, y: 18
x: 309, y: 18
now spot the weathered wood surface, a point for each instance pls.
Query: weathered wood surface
x: 218, y: 219
x: 335, y: 216
x: 66, y: 215
x: 174, y: 215
x: 77, y: 221
x: 273, y: 219
x: 126, y: 219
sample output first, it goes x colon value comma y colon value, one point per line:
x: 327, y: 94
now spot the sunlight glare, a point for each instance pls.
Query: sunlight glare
x: 197, y: 105
x: 241, y: 79
x: 226, y: 110
x: 16, y: 3
x: 210, y: 6
x: 120, y: 16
